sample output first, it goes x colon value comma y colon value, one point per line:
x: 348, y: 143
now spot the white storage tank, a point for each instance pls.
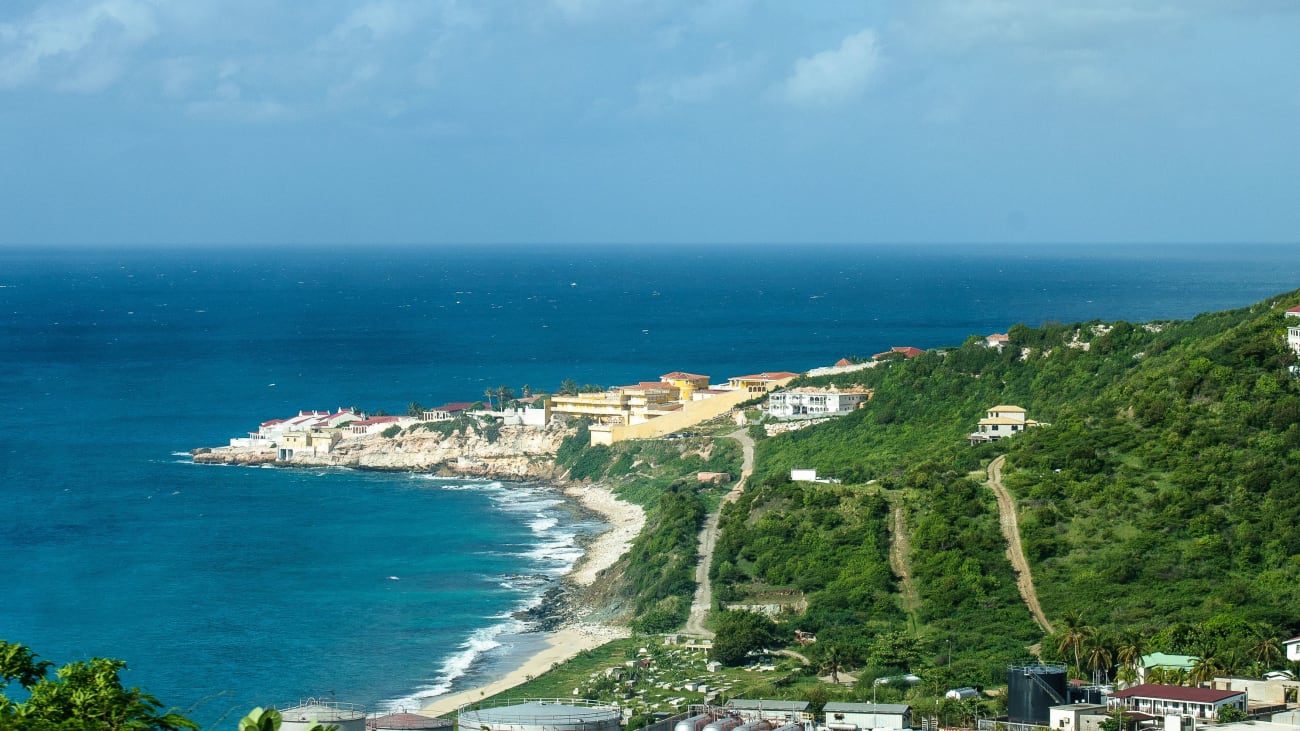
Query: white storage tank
x: 540, y: 715
x: 727, y: 723
x: 694, y: 723
x: 310, y: 712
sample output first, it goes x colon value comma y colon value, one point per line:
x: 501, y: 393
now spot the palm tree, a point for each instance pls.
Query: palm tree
x: 832, y: 662
x: 1205, y: 669
x: 1099, y: 658
x: 1130, y: 650
x: 1266, y: 650
x: 489, y: 392
x: 1073, y: 636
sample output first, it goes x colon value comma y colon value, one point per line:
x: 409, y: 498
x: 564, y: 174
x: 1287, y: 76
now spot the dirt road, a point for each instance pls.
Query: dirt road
x: 708, y: 538
x: 1011, y: 530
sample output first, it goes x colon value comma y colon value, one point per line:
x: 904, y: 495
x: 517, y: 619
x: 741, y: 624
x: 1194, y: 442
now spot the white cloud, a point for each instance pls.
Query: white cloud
x: 660, y: 94
x: 836, y: 75
x: 80, y: 49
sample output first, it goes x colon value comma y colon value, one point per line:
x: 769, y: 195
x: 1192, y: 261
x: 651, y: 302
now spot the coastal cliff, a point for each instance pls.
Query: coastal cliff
x: 512, y: 452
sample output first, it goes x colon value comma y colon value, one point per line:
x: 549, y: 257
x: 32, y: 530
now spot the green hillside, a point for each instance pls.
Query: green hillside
x: 1159, y: 505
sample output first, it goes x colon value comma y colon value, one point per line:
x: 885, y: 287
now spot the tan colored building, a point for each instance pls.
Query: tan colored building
x: 1002, y: 422
x: 761, y: 382
x: 687, y: 383
x: 314, y: 442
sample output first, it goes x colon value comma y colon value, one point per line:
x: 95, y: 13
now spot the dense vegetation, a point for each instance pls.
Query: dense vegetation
x: 658, y: 573
x: 1158, y: 505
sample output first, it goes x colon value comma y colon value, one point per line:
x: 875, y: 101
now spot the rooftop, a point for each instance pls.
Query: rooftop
x: 1176, y: 693
x: 838, y: 706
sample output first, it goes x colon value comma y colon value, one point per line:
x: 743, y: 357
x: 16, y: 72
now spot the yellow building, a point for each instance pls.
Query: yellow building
x: 761, y: 382
x: 314, y: 442
x: 687, y: 383
x: 620, y: 405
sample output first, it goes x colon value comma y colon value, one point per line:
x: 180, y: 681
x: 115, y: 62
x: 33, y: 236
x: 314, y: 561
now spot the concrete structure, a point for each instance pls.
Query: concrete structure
x: 315, y: 443
x: 310, y: 712
x: 810, y: 401
x: 853, y: 716
x: 802, y: 475
x: 769, y: 710
x: 713, y: 478
x: 688, y: 415
x: 539, y: 715
x: 1276, y: 691
x: 1177, y: 700
x: 1077, y: 716
x: 843, y: 365
x: 407, y: 722
x: 1002, y: 421
x: 1166, y: 661
x: 373, y: 425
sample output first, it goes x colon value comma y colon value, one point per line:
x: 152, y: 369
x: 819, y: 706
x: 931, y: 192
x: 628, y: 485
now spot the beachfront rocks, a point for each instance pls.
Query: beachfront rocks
x: 516, y: 453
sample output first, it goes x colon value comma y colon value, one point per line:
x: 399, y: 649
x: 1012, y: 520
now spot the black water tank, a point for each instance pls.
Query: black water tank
x: 1032, y: 690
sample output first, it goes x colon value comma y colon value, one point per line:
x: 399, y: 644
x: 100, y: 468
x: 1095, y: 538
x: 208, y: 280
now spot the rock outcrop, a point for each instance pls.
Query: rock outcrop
x: 503, y: 452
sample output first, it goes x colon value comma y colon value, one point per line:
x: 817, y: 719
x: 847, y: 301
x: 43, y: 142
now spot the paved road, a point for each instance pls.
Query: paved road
x: 1011, y: 530
x: 709, y: 537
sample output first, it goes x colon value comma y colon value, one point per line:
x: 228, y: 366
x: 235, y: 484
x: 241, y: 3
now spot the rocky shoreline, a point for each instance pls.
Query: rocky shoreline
x: 508, y: 452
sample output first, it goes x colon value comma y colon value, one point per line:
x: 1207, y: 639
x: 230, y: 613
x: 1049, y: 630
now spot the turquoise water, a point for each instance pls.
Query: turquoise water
x: 226, y: 588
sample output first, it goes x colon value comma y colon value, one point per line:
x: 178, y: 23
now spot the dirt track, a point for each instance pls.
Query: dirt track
x: 709, y: 536
x: 1011, y: 530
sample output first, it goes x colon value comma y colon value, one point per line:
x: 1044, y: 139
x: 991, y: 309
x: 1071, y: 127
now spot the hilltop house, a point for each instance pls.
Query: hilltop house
x: 907, y: 351
x: 810, y: 401
x: 270, y: 432
x: 1293, y: 329
x: 1002, y: 422
x: 1177, y: 700
x: 373, y: 425
x: 313, y: 442
x: 447, y: 412
x: 761, y: 382
x: 997, y: 340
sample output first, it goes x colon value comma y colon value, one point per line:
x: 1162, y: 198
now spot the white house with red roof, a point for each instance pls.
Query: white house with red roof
x: 1293, y: 329
x: 997, y: 340
x: 1177, y: 700
x: 1292, y: 647
x: 448, y: 411
x: 907, y: 351
x: 373, y: 425
x: 1002, y: 421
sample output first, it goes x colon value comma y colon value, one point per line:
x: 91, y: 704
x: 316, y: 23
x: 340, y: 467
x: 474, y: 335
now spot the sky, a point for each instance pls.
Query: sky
x: 278, y: 122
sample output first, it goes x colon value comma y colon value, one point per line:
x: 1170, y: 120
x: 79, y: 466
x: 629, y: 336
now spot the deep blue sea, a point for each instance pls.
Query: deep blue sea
x: 226, y: 588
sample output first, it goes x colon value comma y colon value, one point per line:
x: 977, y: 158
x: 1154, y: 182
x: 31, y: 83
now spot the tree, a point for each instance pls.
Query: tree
x: 1129, y: 652
x: 1205, y: 669
x: 1266, y: 650
x: 740, y: 633
x: 489, y: 392
x: 1231, y: 714
x: 1072, y: 637
x: 1099, y: 657
x: 831, y: 661
x: 568, y: 387
x: 415, y: 409
x: 81, y: 696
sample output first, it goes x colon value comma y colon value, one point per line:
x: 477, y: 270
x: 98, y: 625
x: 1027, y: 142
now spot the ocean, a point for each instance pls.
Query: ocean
x: 225, y: 588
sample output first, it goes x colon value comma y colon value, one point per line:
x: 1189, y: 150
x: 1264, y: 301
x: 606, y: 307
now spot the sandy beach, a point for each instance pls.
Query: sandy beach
x: 626, y: 521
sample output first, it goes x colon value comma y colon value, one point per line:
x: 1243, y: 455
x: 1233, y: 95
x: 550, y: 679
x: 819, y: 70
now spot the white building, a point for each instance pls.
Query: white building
x: 1293, y: 329
x: 1002, y: 422
x: 1177, y: 700
x: 854, y: 716
x: 1292, y: 649
x: 813, y: 402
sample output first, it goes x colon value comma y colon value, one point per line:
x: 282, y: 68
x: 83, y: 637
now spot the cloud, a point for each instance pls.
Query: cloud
x: 77, y: 49
x: 661, y: 94
x: 834, y: 76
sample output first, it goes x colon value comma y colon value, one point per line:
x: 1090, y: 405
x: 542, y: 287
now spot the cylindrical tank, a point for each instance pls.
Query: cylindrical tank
x: 790, y: 727
x: 1032, y: 690
x: 755, y: 726
x: 407, y: 722
x: 726, y: 723
x: 310, y: 712
x: 694, y: 723
x: 540, y: 715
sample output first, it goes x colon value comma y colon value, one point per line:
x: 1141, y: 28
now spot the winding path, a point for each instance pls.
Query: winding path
x: 1016, y: 554
x: 709, y: 537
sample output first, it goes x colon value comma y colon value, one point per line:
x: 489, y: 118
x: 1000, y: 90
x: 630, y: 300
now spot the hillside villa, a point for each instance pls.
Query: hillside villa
x: 1293, y: 329
x: 815, y: 402
x: 1002, y: 421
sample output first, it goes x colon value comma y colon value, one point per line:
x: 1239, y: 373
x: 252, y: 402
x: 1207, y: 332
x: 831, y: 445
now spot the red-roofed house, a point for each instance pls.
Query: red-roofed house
x: 449, y: 411
x: 761, y: 382
x: 1293, y: 330
x: 997, y: 340
x: 687, y: 383
x: 843, y: 362
x: 373, y: 425
x: 1169, y: 700
x: 907, y: 351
